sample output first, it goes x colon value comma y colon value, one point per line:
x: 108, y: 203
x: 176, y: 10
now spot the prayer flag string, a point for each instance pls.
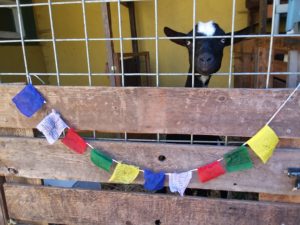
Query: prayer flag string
x: 263, y: 143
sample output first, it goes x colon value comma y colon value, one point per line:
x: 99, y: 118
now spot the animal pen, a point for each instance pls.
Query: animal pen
x: 112, y: 74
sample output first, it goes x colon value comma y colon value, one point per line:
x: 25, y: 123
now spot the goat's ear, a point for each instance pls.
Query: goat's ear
x: 172, y: 33
x: 247, y: 30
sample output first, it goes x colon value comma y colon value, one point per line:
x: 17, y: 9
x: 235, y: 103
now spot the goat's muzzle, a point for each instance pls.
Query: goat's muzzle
x: 206, y: 64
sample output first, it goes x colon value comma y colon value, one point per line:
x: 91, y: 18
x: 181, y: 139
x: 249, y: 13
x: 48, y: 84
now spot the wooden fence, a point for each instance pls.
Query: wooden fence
x: 230, y: 112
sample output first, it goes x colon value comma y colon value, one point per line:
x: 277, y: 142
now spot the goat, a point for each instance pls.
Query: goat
x: 208, y: 51
x: 208, y: 59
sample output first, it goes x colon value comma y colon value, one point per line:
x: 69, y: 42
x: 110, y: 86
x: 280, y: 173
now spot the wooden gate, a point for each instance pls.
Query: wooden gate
x: 223, y: 112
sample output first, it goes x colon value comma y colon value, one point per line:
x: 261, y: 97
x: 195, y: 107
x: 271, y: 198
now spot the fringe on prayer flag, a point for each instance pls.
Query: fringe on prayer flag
x: 52, y: 126
x: 74, y: 141
x: 101, y: 160
x: 124, y: 173
x: 29, y: 100
x: 263, y: 143
x: 210, y: 171
x: 154, y: 181
x: 178, y: 182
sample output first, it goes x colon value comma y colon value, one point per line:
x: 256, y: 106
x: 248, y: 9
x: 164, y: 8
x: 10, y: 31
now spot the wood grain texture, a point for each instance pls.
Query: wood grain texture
x: 279, y: 198
x: 3, y: 207
x: 231, y: 112
x: 15, y: 179
x: 35, y: 158
x: 74, y: 206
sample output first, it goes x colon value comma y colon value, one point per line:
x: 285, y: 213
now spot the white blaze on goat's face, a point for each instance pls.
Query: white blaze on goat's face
x: 208, y: 28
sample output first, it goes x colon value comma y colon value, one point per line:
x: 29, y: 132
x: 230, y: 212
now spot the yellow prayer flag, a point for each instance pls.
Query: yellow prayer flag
x: 263, y: 143
x: 124, y: 173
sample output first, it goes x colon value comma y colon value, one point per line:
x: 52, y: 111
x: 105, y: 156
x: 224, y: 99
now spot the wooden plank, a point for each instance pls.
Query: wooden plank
x: 279, y: 198
x: 12, y: 178
x: 106, y: 17
x: 77, y: 206
x: 35, y: 158
x: 231, y: 112
x: 293, y: 64
x: 3, y: 207
x: 263, y: 16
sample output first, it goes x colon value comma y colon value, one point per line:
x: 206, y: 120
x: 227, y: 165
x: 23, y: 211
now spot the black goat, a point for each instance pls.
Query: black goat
x: 208, y: 51
x: 208, y: 59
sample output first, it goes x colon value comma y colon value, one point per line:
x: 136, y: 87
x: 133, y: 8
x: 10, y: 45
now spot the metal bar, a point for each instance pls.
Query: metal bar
x: 150, y: 74
x: 68, y: 3
x: 231, y: 51
x: 194, y: 46
x: 231, y: 41
x: 22, y: 42
x: 86, y: 43
x: 87, y: 49
x: 145, y: 38
x: 53, y: 42
x: 121, y: 43
x: 121, y: 52
x: 156, y: 43
x: 271, y: 47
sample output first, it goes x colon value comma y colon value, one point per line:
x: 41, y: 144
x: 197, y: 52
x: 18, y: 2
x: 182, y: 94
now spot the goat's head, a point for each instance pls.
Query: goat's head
x: 208, y: 51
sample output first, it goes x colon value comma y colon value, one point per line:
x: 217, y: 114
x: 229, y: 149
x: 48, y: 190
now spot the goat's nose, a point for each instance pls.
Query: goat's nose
x: 206, y: 58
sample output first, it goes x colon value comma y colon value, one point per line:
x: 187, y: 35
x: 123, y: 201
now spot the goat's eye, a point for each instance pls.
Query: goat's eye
x: 223, y: 40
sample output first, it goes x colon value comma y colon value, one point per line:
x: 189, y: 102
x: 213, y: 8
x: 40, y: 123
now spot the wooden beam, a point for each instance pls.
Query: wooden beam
x: 75, y: 206
x: 106, y: 16
x: 134, y: 43
x: 35, y: 158
x: 279, y: 198
x: 3, y: 208
x: 293, y: 66
x: 263, y: 16
x: 231, y: 112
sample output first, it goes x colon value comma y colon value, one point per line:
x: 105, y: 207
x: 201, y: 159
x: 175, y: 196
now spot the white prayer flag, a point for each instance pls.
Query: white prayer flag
x: 52, y: 126
x: 179, y: 181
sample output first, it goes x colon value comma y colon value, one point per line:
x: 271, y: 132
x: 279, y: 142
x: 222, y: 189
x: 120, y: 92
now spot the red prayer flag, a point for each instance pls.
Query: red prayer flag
x: 210, y: 171
x: 74, y: 141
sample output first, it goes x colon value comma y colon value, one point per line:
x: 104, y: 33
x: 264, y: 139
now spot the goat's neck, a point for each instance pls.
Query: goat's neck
x: 199, y: 81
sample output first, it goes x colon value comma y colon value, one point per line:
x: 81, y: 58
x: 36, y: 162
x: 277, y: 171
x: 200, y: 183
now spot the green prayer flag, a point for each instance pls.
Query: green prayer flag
x: 101, y: 160
x: 238, y: 159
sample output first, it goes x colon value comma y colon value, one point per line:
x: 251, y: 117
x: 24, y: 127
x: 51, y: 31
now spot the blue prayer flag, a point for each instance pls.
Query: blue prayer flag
x: 29, y: 100
x: 153, y: 181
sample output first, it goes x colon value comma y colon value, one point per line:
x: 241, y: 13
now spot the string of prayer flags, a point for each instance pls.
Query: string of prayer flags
x: 124, y: 173
x: 101, y: 160
x: 52, y: 126
x: 74, y: 141
x: 178, y: 182
x: 238, y: 159
x: 154, y: 181
x: 210, y: 171
x: 263, y: 143
x: 29, y: 100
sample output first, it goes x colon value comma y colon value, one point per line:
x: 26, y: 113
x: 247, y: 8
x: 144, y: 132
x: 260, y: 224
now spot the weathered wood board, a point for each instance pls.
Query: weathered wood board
x: 3, y: 208
x: 35, y: 158
x: 231, y: 112
x: 279, y: 198
x: 75, y: 206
